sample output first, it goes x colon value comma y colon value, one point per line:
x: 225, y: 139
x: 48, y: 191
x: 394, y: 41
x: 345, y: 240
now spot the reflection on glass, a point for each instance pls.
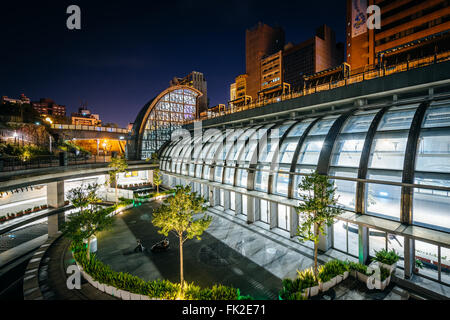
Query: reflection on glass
x: 428, y: 254
x: 264, y: 214
x: 377, y: 241
x: 283, y: 217
x: 431, y: 207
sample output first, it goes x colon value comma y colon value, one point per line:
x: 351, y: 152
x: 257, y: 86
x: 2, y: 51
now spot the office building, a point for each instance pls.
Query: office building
x: 410, y: 29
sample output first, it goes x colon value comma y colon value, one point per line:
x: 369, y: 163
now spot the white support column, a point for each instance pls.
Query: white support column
x: 325, y: 242
x: 273, y: 210
x: 150, y: 176
x: 238, y: 205
x: 251, y: 209
x: 55, y: 199
x: 227, y: 199
x: 294, y: 221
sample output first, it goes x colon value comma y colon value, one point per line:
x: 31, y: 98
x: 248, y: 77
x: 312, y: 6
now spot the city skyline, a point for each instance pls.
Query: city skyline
x: 122, y: 57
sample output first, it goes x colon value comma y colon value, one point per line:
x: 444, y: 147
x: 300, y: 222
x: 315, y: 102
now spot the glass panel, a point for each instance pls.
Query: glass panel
x: 310, y: 150
x: 428, y: 254
x: 353, y: 246
x: 232, y: 201
x: 264, y: 211
x: 377, y: 241
x: 359, y: 122
x: 397, y: 243
x: 262, y: 178
x: 340, y: 235
x: 347, y: 150
x: 445, y: 265
x: 281, y: 182
x: 388, y: 150
x: 283, y: 217
x: 323, y: 126
x: 397, y: 118
x: 382, y: 199
x: 345, y: 190
x: 222, y: 198
x: 299, y: 128
x: 433, y: 153
x: 244, y: 204
x: 298, y: 179
x: 431, y: 207
x: 437, y: 115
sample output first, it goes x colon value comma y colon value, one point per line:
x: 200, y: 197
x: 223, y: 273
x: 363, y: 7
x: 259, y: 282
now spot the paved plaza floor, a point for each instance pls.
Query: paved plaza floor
x: 229, y: 253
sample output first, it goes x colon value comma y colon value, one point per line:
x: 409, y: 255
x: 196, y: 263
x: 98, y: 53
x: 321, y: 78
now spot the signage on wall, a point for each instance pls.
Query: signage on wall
x: 359, y: 17
x: 130, y: 174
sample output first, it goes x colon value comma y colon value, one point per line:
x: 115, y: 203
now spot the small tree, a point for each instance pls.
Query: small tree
x: 157, y: 179
x: 84, y: 224
x: 117, y: 165
x: 177, y: 215
x: 84, y: 196
x: 317, y: 210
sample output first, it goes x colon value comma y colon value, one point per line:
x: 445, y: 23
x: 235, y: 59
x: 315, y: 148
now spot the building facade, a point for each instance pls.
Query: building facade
x: 195, y: 80
x: 385, y: 151
x: 260, y: 41
x: 316, y: 54
x: 48, y: 107
x: 159, y: 118
x: 410, y: 29
x: 85, y: 117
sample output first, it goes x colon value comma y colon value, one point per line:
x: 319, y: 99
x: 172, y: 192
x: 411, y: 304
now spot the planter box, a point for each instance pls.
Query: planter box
x: 143, y: 297
x: 339, y: 278
x: 314, y: 291
x: 325, y: 286
x: 134, y: 296
x: 124, y: 295
x: 111, y: 290
x: 346, y: 273
x: 390, y: 267
x: 381, y: 285
x: 362, y: 277
x: 101, y: 286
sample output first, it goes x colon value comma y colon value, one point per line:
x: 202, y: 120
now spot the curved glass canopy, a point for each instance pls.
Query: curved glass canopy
x: 169, y: 113
x: 364, y: 152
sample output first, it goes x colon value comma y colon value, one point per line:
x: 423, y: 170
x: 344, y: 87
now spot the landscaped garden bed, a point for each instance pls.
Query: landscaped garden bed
x: 21, y: 213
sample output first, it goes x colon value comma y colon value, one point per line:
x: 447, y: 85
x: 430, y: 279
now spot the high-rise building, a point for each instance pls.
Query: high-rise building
x: 272, y: 78
x: 310, y: 56
x: 410, y: 29
x: 240, y: 96
x: 196, y: 80
x: 261, y: 40
x: 46, y: 106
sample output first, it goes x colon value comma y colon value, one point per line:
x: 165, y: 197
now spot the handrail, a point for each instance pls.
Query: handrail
x: 59, y: 126
x: 373, y: 72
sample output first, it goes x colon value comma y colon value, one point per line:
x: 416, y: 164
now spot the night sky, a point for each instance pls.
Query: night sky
x: 127, y: 51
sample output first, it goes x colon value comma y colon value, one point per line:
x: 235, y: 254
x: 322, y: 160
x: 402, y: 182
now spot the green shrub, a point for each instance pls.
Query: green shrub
x: 384, y: 273
x: 160, y: 289
x: 386, y: 257
x: 331, y: 269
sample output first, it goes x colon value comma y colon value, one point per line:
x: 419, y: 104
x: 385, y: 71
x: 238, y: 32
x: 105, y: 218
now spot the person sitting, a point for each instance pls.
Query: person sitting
x: 140, y: 247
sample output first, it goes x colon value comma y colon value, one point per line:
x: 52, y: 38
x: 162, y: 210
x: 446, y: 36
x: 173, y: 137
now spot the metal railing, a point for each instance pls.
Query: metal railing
x: 16, y: 163
x: 87, y: 128
x: 372, y: 72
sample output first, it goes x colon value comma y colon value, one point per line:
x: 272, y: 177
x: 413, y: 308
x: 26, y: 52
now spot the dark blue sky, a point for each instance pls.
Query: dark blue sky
x: 128, y: 51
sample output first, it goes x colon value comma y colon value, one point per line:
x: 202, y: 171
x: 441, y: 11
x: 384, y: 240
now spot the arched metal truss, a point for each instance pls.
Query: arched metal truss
x: 157, y: 120
x: 389, y: 161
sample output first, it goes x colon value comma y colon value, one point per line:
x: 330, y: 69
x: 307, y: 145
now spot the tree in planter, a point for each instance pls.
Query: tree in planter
x: 84, y: 196
x: 89, y: 220
x: 157, y: 179
x: 117, y: 165
x: 177, y: 215
x: 85, y: 224
x: 317, y: 211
